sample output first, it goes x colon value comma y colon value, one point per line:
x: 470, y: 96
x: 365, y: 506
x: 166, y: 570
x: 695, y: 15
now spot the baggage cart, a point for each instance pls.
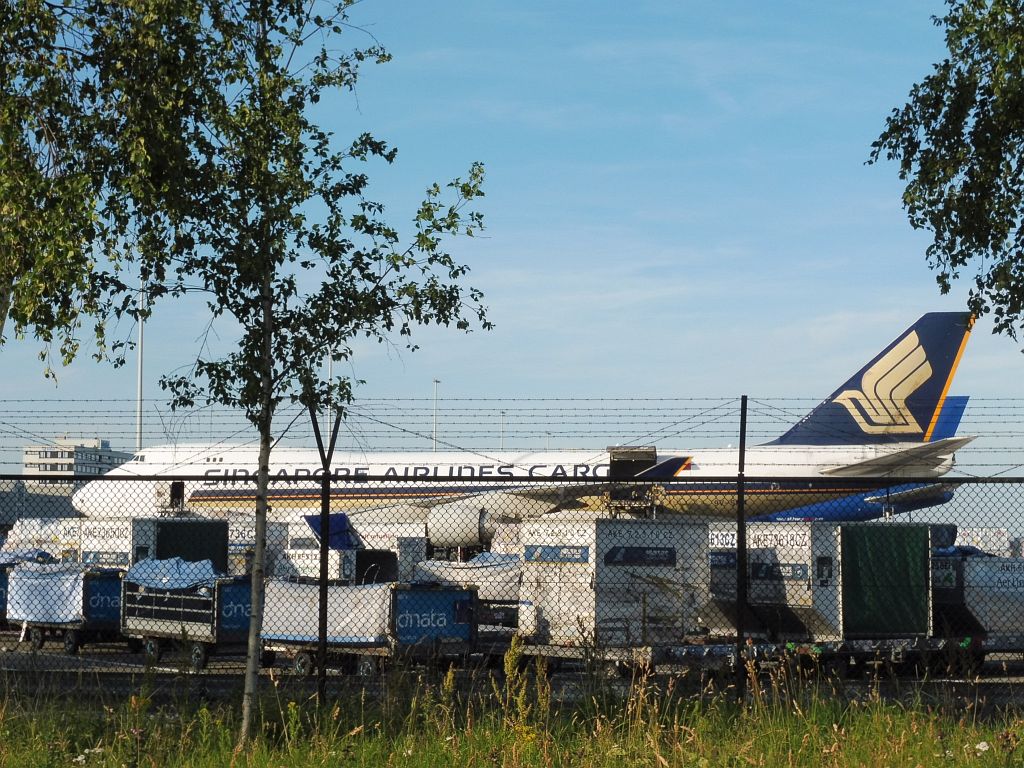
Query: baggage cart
x: 173, y: 602
x: 78, y: 603
x: 368, y: 623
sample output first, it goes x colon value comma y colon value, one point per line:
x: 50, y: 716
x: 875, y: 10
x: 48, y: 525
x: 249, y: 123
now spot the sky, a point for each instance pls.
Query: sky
x: 677, y: 202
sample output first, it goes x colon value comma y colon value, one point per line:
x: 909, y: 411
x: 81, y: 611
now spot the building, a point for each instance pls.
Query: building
x: 67, y: 460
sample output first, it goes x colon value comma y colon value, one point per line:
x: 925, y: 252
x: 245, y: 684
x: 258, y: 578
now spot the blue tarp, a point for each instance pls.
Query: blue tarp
x: 173, y: 573
x: 14, y: 556
x: 964, y: 550
x: 341, y: 532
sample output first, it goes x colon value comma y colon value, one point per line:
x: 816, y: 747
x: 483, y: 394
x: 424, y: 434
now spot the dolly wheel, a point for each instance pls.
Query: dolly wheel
x: 367, y: 665
x: 36, y: 637
x: 303, y: 664
x: 267, y: 658
x: 71, y: 641
x: 151, y: 648
x: 197, y: 657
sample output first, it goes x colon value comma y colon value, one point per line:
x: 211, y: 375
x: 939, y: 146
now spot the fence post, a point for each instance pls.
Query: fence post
x: 325, y: 535
x: 741, y: 560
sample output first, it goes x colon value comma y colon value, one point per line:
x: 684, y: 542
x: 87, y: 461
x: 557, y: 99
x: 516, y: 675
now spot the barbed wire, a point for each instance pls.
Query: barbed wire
x: 475, y: 424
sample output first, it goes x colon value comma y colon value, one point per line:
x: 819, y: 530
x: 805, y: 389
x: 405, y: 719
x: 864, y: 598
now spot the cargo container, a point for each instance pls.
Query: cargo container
x: 193, y: 539
x: 982, y: 598
x: 495, y: 576
x: 611, y: 582
x: 367, y: 623
x: 823, y: 582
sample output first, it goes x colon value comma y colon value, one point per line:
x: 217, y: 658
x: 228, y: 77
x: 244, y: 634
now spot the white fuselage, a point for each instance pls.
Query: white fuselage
x: 221, y: 464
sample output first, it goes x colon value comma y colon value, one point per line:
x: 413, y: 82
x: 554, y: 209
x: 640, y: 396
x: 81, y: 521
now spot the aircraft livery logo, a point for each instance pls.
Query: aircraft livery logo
x: 880, y: 406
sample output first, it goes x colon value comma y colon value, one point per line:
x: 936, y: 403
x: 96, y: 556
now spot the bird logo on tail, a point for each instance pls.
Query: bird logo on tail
x: 880, y: 406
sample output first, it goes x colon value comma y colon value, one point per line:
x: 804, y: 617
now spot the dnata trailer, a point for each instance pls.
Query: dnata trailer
x: 367, y: 623
x: 173, y: 602
x: 78, y: 603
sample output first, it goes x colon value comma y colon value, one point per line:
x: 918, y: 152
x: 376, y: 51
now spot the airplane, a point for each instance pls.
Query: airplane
x: 884, y: 424
x: 884, y: 502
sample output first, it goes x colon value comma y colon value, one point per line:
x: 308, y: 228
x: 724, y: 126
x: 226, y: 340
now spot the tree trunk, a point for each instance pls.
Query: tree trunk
x: 265, y: 420
x: 265, y: 411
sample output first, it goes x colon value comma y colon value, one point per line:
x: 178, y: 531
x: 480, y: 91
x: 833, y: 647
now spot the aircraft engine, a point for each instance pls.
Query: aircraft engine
x: 463, y: 523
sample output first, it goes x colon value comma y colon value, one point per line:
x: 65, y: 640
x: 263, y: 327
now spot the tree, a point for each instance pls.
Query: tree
x: 959, y: 141
x: 46, y: 197
x: 299, y: 286
x: 210, y: 175
x: 100, y: 107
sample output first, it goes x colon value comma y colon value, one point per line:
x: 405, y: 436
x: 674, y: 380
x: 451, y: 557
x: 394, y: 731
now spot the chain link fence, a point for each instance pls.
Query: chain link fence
x: 156, y: 574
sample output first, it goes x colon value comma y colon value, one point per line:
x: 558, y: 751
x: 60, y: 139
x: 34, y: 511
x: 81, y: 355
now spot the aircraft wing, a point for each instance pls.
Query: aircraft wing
x: 519, y: 503
x: 551, y: 494
x: 917, y: 461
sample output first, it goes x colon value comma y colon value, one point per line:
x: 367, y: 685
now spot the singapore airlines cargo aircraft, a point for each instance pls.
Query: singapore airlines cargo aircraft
x: 891, y: 421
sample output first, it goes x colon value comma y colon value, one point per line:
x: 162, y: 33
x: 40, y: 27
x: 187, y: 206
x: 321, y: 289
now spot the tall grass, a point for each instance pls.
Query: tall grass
x: 511, y: 718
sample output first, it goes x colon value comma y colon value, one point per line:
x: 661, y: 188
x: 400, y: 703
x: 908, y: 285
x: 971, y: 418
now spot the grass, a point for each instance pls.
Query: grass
x: 511, y: 719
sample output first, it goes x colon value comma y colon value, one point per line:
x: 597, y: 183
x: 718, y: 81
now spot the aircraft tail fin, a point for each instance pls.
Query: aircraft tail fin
x: 949, y: 417
x: 900, y: 395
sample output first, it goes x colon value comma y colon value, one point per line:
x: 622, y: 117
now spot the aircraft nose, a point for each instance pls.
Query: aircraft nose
x: 84, y: 499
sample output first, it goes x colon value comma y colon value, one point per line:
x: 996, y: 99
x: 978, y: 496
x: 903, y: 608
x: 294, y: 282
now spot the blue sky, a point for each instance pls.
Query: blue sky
x: 677, y: 201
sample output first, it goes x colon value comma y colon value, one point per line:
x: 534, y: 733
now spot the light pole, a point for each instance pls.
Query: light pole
x: 436, y: 382
x: 138, y: 375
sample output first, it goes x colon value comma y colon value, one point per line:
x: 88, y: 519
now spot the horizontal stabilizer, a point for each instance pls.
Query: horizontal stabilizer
x: 915, y: 461
x: 917, y: 496
x: 667, y: 470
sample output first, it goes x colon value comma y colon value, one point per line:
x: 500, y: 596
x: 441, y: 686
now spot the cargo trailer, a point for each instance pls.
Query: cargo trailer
x: 367, y: 623
x: 80, y: 604
x: 176, y: 603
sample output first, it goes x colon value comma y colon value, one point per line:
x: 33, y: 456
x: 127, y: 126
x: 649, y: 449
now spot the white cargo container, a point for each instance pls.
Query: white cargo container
x: 408, y: 542
x: 496, y: 577
x: 611, y: 582
x: 994, y: 594
x: 106, y: 542
x: 994, y: 541
x: 981, y: 598
x: 823, y: 582
x: 59, y: 538
x: 305, y: 563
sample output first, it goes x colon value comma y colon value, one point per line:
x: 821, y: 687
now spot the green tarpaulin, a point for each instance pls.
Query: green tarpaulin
x: 885, y: 580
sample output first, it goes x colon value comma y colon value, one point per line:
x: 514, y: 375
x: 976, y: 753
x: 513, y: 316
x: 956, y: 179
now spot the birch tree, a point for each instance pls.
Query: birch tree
x: 207, y: 173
